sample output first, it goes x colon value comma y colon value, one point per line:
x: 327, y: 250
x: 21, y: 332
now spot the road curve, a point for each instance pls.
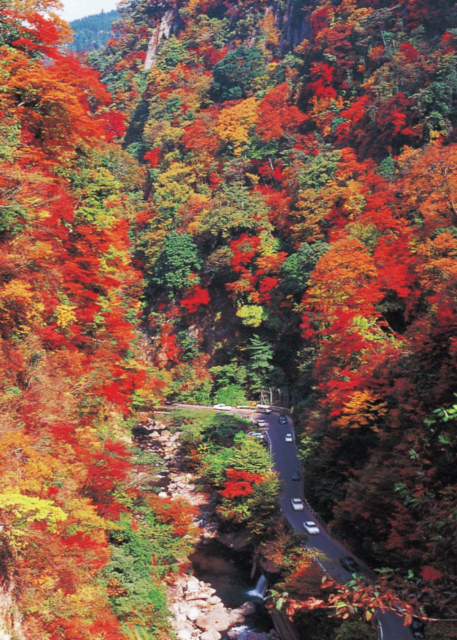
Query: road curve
x: 286, y: 461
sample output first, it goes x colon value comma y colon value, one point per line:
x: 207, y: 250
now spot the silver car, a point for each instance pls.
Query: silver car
x: 310, y: 527
x: 297, y: 504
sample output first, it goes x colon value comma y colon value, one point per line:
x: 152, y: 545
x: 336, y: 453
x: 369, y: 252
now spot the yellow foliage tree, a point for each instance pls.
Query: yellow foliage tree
x: 363, y: 409
x: 234, y: 123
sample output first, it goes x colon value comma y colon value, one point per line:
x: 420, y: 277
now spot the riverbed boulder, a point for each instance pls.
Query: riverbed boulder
x: 196, y: 602
x: 192, y: 584
x: 193, y: 613
x: 211, y: 635
x: 246, y: 609
x: 215, y: 619
x: 234, y: 540
x: 236, y: 617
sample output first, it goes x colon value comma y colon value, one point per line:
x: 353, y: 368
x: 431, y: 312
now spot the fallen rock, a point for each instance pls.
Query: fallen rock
x: 214, y: 600
x: 184, y: 634
x: 162, y: 494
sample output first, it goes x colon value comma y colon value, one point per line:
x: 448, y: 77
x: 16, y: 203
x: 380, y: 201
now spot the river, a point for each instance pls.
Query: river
x: 229, y: 572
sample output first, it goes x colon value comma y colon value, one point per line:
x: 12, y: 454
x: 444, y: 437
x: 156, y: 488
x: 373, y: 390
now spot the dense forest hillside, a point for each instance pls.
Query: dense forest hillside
x: 231, y: 197
x: 73, y: 515
x: 92, y: 32
x: 299, y: 232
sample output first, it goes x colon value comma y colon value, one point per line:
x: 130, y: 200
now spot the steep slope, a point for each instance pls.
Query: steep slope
x: 72, y: 511
x: 299, y: 231
x: 286, y: 190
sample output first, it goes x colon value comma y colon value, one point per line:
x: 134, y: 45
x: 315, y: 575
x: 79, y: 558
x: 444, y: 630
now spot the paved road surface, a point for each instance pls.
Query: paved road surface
x: 286, y: 461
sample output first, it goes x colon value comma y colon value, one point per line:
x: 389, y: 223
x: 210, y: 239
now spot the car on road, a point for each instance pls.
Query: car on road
x: 263, y: 408
x: 289, y: 437
x: 262, y: 423
x: 254, y: 434
x: 282, y: 420
x: 222, y: 407
x: 310, y: 527
x: 297, y: 504
x: 295, y: 476
x: 349, y: 564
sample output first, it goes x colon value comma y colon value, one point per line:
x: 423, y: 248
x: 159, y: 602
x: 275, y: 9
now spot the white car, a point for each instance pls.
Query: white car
x: 254, y: 434
x: 297, y: 504
x: 289, y: 437
x: 263, y: 408
x: 262, y: 423
x: 310, y: 527
x: 222, y: 407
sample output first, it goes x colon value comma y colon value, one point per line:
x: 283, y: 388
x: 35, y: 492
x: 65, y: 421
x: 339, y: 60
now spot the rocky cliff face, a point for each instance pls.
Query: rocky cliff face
x: 293, y: 22
x: 167, y: 24
x: 10, y: 619
x: 292, y: 19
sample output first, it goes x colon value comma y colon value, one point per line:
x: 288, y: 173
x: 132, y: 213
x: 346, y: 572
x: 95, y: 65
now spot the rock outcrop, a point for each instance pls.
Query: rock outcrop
x: 199, y: 614
x: 162, y: 31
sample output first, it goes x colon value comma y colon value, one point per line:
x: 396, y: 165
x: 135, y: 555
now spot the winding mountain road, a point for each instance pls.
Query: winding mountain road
x: 286, y: 461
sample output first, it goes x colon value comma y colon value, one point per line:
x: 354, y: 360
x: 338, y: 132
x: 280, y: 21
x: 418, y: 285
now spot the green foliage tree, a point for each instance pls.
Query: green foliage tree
x: 134, y: 581
x: 177, y: 261
x: 299, y: 266
x: 232, y: 394
x: 234, y: 77
x: 232, y: 373
x: 171, y: 53
x: 250, y: 455
x: 260, y: 365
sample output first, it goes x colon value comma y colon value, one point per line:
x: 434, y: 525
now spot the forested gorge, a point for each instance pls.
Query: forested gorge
x: 231, y: 196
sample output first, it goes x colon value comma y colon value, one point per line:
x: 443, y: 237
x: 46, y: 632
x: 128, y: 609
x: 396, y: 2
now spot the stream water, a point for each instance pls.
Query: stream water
x: 228, y: 571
